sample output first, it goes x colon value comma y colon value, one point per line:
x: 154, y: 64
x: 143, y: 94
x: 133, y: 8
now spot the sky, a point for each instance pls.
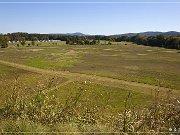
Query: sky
x: 89, y: 18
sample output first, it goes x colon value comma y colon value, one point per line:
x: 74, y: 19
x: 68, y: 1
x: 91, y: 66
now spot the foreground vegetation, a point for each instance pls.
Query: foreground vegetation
x: 44, y: 113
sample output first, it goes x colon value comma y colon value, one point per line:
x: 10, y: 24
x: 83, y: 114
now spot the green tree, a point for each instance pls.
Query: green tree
x: 80, y: 42
x: 3, y: 42
x: 7, y: 38
x: 98, y: 42
x: 68, y: 41
x: 109, y: 43
x: 34, y: 39
x: 23, y: 41
x: 93, y: 42
x: 173, y: 43
x: 160, y: 40
x: 33, y: 43
x: 87, y: 42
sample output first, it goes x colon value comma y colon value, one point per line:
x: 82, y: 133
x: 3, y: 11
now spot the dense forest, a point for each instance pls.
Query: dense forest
x: 171, y: 42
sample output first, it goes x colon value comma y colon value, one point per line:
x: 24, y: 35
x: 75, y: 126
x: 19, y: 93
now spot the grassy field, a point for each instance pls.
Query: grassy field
x: 24, y: 82
x: 103, y: 74
x: 156, y: 66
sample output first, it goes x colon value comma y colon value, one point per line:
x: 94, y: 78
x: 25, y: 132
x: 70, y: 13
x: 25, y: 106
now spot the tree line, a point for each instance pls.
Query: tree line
x: 171, y: 42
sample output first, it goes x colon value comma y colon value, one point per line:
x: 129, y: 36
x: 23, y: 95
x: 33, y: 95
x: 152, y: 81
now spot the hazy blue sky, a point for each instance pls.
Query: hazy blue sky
x: 89, y: 18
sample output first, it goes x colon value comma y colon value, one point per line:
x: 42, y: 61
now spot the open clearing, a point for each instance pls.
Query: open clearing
x: 105, y: 73
x: 155, y: 67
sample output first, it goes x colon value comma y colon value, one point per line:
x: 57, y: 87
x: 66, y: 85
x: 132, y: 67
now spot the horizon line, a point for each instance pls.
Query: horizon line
x: 90, y: 34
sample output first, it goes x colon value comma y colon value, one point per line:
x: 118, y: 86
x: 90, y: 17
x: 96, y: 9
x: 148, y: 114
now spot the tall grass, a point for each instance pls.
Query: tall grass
x: 43, y: 113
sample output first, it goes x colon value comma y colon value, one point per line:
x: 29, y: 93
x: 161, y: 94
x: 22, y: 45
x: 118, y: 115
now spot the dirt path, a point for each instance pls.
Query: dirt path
x: 84, y: 77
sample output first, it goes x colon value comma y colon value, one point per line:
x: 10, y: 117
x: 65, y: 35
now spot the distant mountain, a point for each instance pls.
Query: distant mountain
x: 171, y: 33
x: 148, y: 33
x: 71, y: 34
x: 151, y: 33
x: 77, y: 34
